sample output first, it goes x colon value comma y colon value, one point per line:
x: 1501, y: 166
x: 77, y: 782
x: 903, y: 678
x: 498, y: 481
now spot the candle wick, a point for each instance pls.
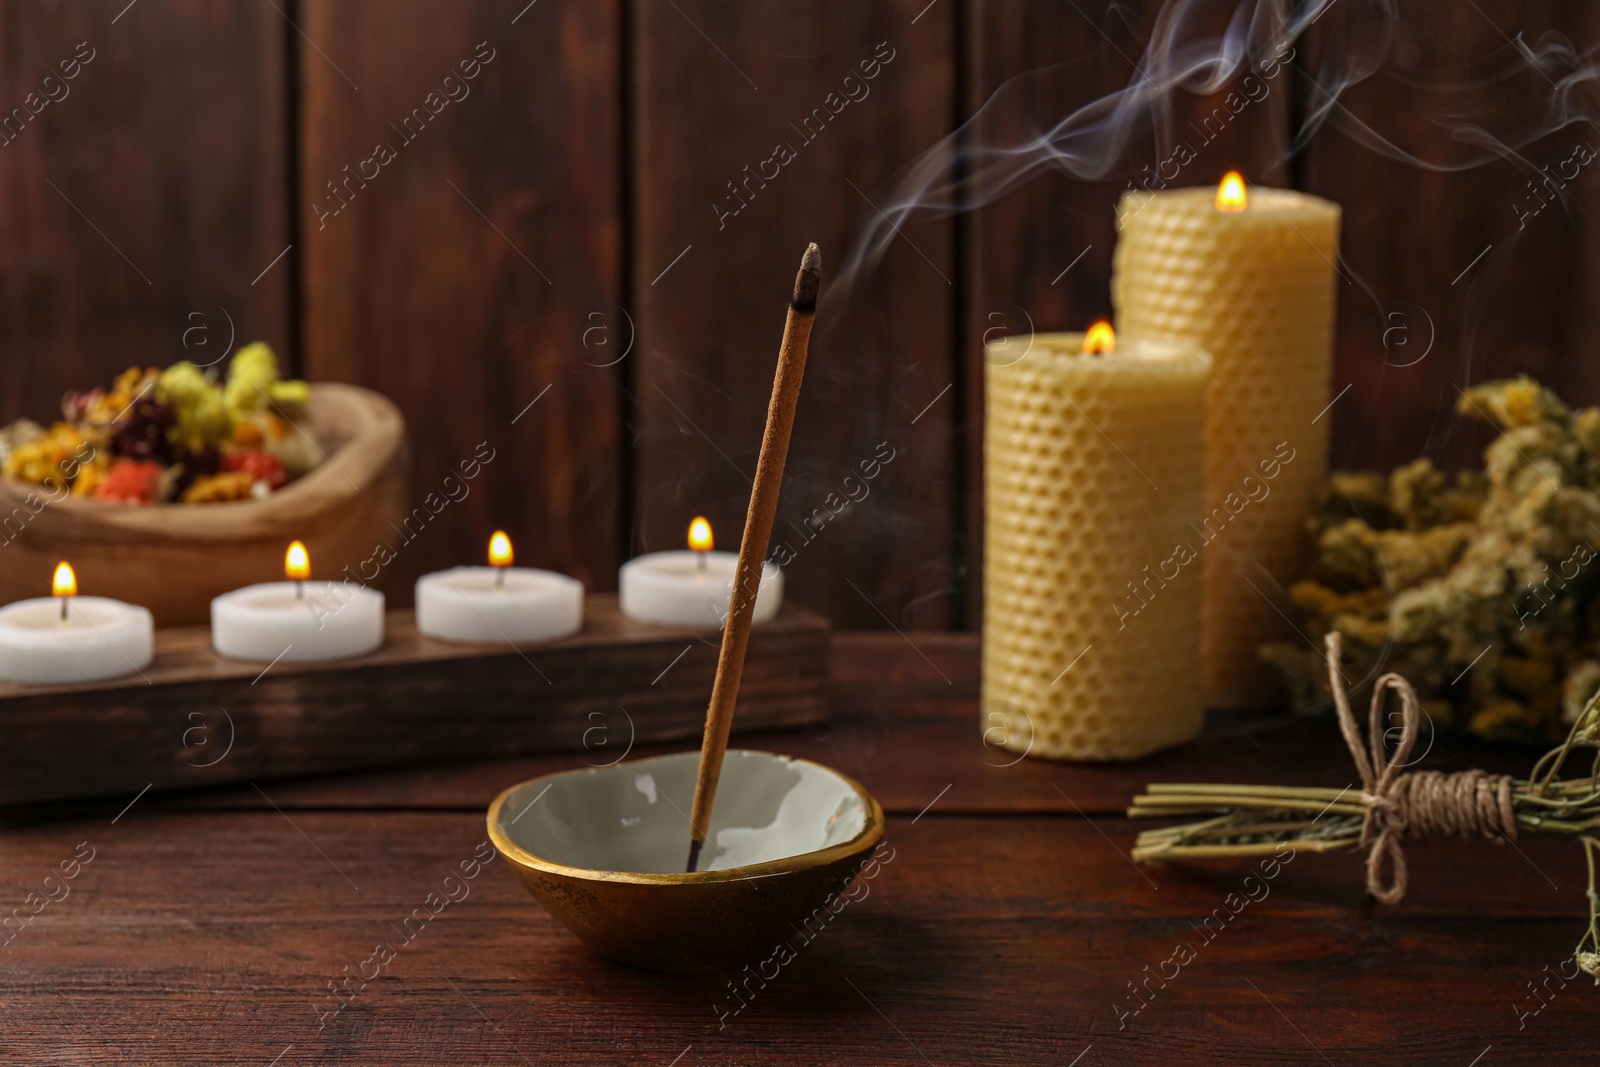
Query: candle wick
x: 700, y: 561
x: 499, y: 577
x: 299, y: 591
x: 64, y: 602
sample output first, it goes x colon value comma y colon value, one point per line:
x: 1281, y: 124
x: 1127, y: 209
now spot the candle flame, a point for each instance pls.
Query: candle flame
x: 65, y: 583
x: 297, y: 563
x: 1231, y: 195
x: 700, y: 534
x: 1100, y: 339
x: 499, y: 549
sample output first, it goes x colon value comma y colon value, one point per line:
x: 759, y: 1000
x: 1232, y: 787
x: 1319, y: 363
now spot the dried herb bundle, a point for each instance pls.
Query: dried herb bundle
x: 1391, y: 804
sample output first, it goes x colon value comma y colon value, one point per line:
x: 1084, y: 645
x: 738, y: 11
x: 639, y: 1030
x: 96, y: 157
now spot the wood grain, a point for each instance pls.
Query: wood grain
x: 205, y: 938
x: 909, y: 729
x: 208, y: 929
x: 722, y: 86
x: 195, y: 718
x: 474, y: 276
x: 142, y: 203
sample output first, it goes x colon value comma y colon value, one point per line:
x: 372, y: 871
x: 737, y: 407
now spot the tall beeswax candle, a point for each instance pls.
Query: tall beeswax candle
x: 1091, y: 608
x: 1252, y: 283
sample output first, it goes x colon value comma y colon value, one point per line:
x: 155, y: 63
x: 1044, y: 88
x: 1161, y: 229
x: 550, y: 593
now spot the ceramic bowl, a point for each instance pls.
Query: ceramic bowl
x: 603, y: 850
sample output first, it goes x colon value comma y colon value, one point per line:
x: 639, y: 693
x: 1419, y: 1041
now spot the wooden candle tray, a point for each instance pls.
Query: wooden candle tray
x: 194, y: 718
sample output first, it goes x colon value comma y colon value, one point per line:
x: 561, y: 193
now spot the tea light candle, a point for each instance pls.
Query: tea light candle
x: 1247, y: 275
x: 499, y: 604
x: 1093, y: 473
x: 692, y: 588
x: 296, y: 621
x: 65, y: 638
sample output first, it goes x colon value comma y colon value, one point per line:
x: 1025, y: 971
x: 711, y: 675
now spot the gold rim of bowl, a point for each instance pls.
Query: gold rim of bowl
x: 871, y: 833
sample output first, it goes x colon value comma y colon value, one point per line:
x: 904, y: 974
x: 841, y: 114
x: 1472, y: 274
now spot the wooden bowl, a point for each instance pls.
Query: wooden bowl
x: 603, y: 850
x: 173, y: 558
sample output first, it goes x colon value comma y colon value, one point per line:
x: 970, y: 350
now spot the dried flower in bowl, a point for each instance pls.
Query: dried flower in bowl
x: 208, y: 439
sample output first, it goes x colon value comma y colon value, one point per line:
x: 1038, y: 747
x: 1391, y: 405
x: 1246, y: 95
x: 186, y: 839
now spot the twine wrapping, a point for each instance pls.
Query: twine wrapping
x: 1255, y: 820
x: 1401, y: 803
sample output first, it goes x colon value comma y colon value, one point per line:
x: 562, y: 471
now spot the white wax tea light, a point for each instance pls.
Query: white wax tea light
x: 65, y: 638
x: 692, y: 588
x: 499, y: 604
x: 297, y: 621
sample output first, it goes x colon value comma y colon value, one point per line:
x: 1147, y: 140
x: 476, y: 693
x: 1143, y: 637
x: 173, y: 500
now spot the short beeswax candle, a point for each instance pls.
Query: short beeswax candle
x: 1248, y: 276
x: 1093, y: 474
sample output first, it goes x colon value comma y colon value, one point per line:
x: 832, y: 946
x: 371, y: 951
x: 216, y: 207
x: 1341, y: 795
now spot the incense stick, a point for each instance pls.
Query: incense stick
x: 753, y: 547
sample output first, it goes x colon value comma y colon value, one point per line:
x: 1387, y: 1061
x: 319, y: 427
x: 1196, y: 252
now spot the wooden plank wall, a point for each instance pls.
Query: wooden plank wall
x: 460, y: 277
x: 1420, y: 311
x: 577, y: 256
x: 710, y: 321
x: 140, y: 204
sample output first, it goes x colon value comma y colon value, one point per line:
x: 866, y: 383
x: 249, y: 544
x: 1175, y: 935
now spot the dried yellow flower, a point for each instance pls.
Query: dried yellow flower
x: 1481, y: 588
x: 219, y: 488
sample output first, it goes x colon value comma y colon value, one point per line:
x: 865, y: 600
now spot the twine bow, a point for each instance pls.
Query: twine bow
x: 1401, y: 803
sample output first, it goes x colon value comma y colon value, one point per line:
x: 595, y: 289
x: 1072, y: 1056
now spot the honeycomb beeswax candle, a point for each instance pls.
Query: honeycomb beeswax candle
x: 1249, y: 278
x: 1091, y: 600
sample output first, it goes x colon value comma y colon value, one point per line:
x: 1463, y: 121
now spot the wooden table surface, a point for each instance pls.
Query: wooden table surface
x: 1009, y: 926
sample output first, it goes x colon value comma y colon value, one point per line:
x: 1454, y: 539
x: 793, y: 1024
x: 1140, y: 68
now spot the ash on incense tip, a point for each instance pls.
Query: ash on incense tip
x: 809, y: 281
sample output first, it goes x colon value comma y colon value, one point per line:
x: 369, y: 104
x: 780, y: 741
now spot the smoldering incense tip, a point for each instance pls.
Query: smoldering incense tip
x: 809, y: 280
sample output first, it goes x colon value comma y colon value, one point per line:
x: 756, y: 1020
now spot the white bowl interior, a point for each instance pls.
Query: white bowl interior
x: 634, y: 817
